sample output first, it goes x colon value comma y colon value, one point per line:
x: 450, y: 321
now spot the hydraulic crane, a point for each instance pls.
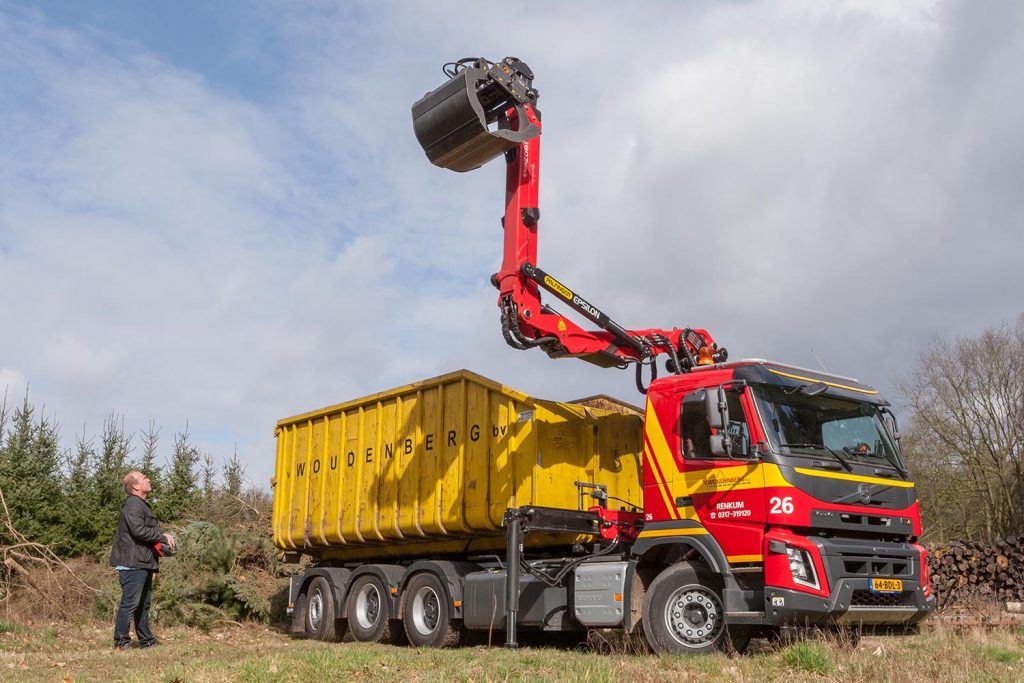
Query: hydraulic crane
x: 487, y: 109
x: 772, y: 495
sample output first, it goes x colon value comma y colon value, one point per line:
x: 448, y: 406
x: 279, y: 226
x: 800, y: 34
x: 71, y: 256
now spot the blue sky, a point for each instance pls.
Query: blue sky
x: 216, y: 213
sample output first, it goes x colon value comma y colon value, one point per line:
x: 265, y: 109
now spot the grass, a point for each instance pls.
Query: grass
x: 82, y: 652
x: 1004, y: 656
x: 810, y: 656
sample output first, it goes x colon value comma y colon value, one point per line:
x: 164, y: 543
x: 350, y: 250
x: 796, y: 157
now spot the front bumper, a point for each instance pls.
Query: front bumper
x: 850, y: 603
x: 849, y: 565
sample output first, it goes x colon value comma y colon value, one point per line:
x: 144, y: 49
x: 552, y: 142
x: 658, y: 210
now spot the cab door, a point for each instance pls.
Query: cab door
x: 727, y: 491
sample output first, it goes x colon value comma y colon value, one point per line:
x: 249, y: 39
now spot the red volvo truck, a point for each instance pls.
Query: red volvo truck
x: 772, y: 495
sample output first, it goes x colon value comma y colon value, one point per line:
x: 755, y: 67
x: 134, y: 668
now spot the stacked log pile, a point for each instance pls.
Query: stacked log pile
x: 969, y: 570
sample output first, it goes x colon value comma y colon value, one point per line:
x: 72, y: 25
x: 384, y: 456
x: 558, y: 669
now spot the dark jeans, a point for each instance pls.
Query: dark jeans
x: 136, y: 588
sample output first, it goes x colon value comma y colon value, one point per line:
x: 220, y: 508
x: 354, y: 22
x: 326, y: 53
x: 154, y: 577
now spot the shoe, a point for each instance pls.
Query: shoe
x: 150, y: 643
x: 123, y: 646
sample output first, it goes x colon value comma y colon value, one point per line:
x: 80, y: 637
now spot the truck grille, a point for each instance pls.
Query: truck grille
x: 869, y: 599
x: 879, y: 565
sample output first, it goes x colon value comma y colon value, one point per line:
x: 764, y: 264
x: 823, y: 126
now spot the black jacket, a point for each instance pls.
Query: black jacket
x: 136, y: 533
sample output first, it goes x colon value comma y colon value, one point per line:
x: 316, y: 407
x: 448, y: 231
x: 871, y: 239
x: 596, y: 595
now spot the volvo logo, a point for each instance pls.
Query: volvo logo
x: 865, y: 493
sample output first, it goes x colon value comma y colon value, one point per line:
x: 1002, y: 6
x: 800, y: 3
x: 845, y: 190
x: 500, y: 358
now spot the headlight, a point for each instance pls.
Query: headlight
x: 802, y: 567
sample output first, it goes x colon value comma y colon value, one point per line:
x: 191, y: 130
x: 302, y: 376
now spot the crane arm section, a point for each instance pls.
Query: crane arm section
x: 489, y: 109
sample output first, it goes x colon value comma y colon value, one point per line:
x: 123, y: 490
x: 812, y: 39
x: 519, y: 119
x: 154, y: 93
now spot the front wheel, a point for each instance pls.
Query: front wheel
x: 683, y: 614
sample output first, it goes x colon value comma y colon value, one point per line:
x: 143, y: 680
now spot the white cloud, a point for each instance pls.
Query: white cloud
x: 12, y: 384
x: 838, y: 176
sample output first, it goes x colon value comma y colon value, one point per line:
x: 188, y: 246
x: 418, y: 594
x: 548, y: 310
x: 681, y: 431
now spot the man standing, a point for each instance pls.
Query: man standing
x: 136, y: 560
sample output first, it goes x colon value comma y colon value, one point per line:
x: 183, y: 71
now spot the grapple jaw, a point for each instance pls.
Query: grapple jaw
x: 464, y: 123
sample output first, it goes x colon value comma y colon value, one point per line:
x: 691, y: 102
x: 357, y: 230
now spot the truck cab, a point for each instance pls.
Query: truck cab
x: 789, y: 486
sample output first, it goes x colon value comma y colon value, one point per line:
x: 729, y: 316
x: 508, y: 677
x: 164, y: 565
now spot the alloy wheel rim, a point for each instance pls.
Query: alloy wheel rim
x: 368, y: 606
x: 693, y: 615
x: 426, y: 610
x: 316, y: 610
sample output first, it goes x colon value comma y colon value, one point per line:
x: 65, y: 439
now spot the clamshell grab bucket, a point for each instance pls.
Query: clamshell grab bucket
x: 462, y: 125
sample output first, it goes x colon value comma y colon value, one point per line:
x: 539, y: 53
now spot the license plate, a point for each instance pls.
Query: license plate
x: 886, y: 585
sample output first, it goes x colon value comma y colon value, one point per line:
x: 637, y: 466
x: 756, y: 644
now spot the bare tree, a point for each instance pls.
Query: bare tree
x: 966, y: 433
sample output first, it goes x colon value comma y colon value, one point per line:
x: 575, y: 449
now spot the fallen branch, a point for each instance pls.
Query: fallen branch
x: 24, y: 558
x: 29, y: 581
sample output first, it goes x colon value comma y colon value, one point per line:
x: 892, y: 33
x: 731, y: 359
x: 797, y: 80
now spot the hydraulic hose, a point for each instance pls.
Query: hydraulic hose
x: 510, y: 323
x: 556, y: 579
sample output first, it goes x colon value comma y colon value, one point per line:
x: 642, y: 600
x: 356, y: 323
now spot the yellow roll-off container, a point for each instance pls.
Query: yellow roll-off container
x: 430, y: 468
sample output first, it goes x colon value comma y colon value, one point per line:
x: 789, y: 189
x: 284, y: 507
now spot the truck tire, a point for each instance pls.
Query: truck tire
x: 683, y: 614
x: 320, y: 621
x: 427, y: 613
x: 369, y: 620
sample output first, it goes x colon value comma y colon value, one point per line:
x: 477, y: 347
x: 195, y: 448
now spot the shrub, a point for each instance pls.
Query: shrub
x: 204, y: 546
x: 255, y: 551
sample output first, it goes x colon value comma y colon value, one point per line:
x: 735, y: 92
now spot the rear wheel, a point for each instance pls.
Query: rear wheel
x: 683, y: 613
x: 320, y: 621
x: 427, y: 613
x: 368, y: 614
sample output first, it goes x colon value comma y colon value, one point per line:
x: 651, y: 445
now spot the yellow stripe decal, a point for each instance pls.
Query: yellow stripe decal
x: 773, y: 476
x: 659, y: 446
x: 854, y: 477
x: 734, y: 559
x: 658, y: 533
x: 662, y: 456
x: 662, y: 486
x: 831, y: 384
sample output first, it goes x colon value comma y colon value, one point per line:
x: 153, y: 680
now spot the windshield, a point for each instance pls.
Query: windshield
x: 811, y: 426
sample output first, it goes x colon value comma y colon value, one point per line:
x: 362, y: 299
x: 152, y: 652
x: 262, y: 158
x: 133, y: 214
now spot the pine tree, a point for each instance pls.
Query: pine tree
x: 4, y: 415
x: 30, y: 474
x: 234, y: 475
x: 209, y: 478
x: 107, y: 483
x: 80, y: 524
x: 150, y: 439
x: 180, y: 495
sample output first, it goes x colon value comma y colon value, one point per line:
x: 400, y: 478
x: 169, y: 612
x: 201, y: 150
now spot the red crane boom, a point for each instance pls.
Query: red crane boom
x: 484, y: 110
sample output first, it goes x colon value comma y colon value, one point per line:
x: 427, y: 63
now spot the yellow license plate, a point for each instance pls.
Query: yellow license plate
x: 886, y: 585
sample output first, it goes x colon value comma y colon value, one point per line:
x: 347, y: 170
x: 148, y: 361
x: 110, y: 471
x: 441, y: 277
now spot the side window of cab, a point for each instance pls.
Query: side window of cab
x: 696, y: 434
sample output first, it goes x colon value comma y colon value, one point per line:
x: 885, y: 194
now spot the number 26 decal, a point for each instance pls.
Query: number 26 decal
x: 781, y: 506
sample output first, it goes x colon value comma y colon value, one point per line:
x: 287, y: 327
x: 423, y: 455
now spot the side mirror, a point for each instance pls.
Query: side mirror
x: 730, y: 443
x: 716, y: 407
x: 894, y: 426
